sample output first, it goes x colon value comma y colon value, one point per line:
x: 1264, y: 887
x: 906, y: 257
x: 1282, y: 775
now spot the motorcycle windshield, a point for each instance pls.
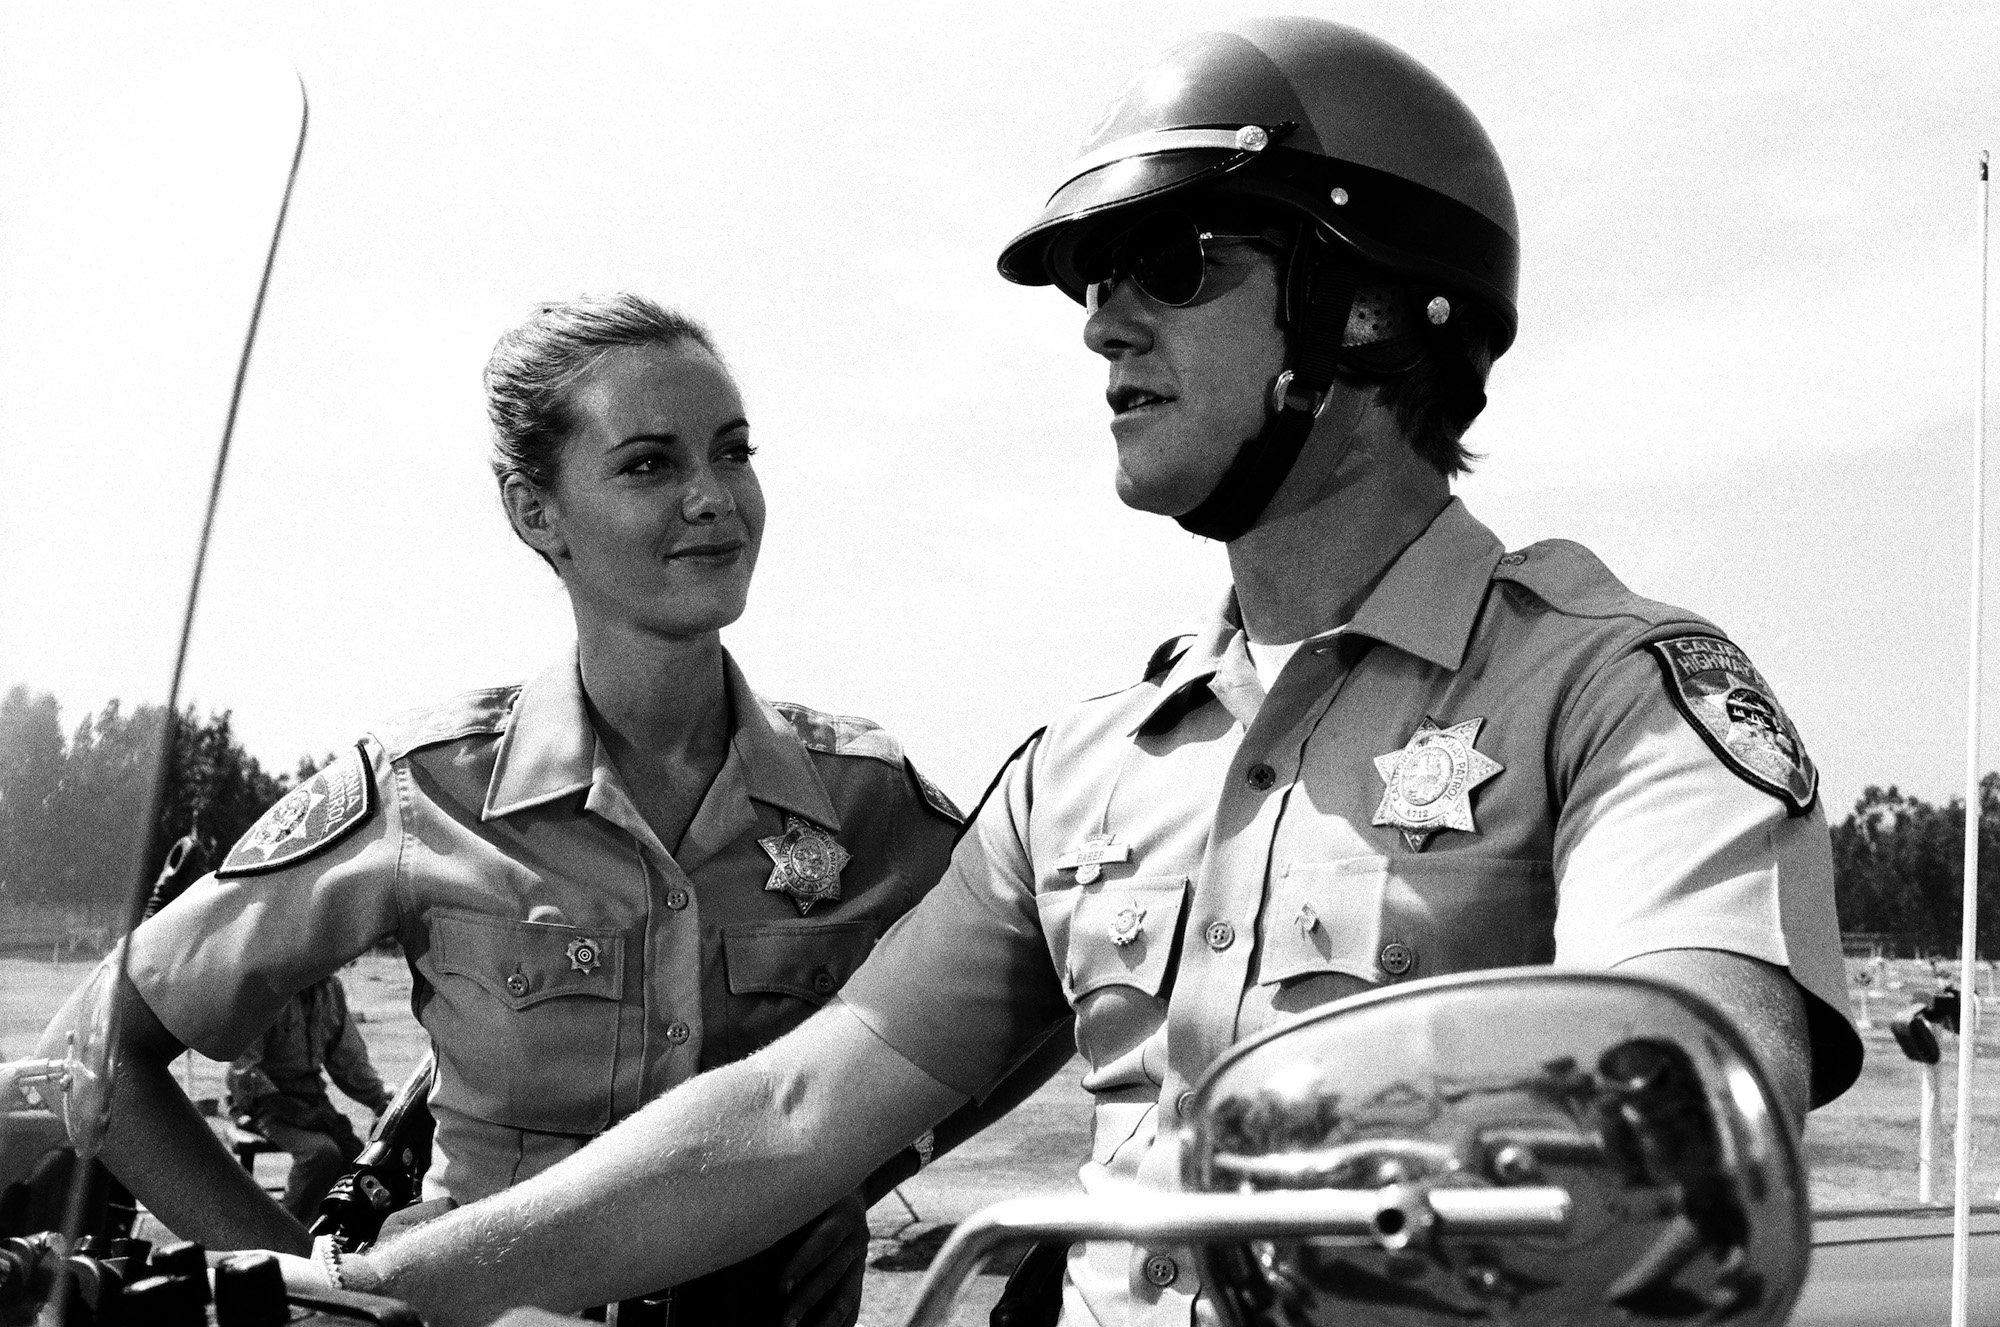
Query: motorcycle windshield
x: 143, y: 187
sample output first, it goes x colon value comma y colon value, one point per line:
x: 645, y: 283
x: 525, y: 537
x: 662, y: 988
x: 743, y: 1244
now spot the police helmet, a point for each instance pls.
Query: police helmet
x: 1404, y: 214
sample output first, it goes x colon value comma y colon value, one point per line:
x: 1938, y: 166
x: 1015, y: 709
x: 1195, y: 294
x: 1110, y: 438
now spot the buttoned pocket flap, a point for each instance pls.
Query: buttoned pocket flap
x: 810, y: 960
x: 1325, y: 917
x: 1118, y: 932
x: 1396, y: 919
x: 523, y: 963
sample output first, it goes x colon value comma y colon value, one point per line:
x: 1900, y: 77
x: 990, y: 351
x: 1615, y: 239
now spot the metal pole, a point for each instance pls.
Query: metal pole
x: 1927, y: 1111
x: 1968, y: 935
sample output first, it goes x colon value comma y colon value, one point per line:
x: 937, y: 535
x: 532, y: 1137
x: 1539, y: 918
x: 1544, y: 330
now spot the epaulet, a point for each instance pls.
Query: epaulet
x: 1570, y: 579
x: 850, y: 735
x: 466, y: 715
x: 1166, y: 655
x: 840, y: 734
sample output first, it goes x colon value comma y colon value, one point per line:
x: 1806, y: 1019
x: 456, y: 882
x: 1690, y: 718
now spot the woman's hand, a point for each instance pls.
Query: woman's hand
x: 821, y: 1283
x: 163, y: 1150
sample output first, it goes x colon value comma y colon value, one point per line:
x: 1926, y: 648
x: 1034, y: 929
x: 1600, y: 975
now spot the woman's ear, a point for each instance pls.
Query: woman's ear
x: 530, y: 511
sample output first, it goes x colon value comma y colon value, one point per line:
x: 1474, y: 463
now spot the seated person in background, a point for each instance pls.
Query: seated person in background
x: 277, y: 1088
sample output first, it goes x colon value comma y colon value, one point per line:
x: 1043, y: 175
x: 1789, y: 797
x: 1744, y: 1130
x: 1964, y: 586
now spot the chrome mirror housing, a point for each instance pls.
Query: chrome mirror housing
x: 1686, y: 1200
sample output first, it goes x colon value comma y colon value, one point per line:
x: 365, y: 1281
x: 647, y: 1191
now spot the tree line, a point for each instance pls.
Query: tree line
x: 71, y: 801
x: 1897, y: 866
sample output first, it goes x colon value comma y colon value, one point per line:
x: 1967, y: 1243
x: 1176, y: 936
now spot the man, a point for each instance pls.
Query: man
x: 1397, y: 751
x: 277, y: 1085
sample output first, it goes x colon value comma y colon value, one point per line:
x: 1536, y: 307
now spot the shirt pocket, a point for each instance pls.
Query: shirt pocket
x: 1384, y: 920
x: 808, y: 960
x: 779, y: 973
x: 1114, y: 932
x: 525, y: 1020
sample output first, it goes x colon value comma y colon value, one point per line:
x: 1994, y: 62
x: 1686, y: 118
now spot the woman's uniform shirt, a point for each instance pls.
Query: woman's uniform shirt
x: 1504, y: 759
x: 566, y: 965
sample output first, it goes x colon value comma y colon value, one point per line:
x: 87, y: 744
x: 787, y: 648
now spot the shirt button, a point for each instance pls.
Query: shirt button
x: 517, y: 985
x: 677, y: 1033
x: 1261, y: 777
x: 1184, y: 1104
x: 1161, y: 1270
x: 823, y: 982
x: 677, y: 898
x: 1221, y: 935
x: 1397, y: 958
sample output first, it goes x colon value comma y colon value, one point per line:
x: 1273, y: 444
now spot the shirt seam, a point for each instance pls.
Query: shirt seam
x: 1626, y: 646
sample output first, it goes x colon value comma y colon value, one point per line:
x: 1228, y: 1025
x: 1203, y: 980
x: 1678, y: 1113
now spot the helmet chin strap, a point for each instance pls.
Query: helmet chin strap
x: 1319, y: 297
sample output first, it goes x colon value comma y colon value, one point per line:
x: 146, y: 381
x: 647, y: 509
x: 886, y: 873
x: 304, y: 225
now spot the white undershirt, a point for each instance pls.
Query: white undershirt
x: 1270, y: 660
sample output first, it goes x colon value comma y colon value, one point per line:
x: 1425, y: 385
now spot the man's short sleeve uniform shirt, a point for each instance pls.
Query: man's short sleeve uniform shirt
x: 1485, y: 768
x: 566, y: 966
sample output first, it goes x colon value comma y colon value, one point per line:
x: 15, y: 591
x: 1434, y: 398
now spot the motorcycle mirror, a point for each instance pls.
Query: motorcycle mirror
x: 1639, y: 1102
x: 1528, y: 1145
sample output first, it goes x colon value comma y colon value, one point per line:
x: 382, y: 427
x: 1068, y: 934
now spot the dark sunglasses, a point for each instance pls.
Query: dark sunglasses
x: 1165, y: 256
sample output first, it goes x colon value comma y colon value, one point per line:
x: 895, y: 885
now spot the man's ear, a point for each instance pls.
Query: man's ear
x: 530, y: 512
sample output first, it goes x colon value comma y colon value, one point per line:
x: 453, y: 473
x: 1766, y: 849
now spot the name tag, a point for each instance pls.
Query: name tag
x: 1088, y: 858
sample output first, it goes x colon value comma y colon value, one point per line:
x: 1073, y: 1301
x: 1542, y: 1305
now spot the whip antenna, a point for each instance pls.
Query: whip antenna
x: 1968, y: 935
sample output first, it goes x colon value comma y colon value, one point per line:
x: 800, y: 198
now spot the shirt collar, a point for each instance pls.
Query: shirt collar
x: 777, y: 769
x: 550, y: 749
x: 1428, y: 601
x: 1185, y: 688
x: 1426, y: 604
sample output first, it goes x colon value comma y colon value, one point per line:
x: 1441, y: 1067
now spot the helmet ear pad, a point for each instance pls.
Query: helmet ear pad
x: 1387, y: 332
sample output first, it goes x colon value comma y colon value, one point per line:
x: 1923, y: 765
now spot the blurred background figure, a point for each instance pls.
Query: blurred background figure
x: 278, y: 1088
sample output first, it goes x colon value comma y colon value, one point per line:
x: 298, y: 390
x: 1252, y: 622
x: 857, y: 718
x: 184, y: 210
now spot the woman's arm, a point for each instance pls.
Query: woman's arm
x: 163, y: 1150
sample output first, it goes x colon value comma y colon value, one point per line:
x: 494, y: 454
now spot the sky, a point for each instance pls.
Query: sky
x: 1745, y: 375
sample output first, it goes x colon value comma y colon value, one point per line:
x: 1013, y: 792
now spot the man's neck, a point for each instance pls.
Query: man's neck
x: 1309, y: 564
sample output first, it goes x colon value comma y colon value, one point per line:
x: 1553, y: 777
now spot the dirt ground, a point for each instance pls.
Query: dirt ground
x: 1861, y: 1149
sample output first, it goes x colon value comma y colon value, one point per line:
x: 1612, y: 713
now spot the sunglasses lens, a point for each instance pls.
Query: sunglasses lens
x: 1163, y: 255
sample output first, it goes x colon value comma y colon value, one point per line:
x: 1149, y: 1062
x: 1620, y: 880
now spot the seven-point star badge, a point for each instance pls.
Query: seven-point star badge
x: 1430, y: 781
x: 808, y: 863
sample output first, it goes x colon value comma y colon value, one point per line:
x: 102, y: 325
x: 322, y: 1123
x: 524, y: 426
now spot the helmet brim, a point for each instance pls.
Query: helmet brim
x: 1108, y: 197
x: 1045, y: 253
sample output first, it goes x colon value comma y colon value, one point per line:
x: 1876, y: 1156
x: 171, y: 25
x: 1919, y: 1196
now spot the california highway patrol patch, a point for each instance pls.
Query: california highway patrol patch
x: 307, y: 820
x: 1733, y: 708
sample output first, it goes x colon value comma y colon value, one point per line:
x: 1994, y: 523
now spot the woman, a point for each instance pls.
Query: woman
x: 629, y: 869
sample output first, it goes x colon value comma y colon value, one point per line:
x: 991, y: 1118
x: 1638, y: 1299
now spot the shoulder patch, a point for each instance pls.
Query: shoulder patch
x: 934, y: 796
x: 307, y: 820
x: 1721, y: 693
x: 839, y: 734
